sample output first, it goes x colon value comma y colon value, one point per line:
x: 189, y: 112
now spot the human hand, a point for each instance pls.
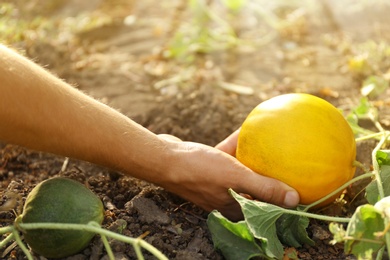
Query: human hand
x: 199, y: 173
x: 203, y: 175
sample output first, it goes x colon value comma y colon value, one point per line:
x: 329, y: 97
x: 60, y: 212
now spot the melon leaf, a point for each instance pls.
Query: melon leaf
x: 261, y: 220
x: 372, y: 193
x: 233, y: 239
x: 383, y: 157
x: 262, y: 232
x: 365, y: 223
x: 291, y: 230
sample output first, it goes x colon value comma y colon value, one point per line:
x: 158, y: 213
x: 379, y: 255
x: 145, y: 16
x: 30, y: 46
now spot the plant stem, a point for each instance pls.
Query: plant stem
x: 21, y: 244
x: 363, y: 240
x: 369, y: 136
x: 105, y: 241
x: 137, y: 249
x: 4, y: 242
x: 7, y: 229
x: 108, y: 247
x: 379, y: 256
x: 93, y: 228
x: 361, y: 166
x: 316, y: 216
x: 358, y: 178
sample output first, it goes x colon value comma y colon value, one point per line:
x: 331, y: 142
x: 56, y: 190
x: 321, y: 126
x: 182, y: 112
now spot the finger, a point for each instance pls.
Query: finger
x: 170, y: 137
x: 229, y: 145
x: 268, y: 190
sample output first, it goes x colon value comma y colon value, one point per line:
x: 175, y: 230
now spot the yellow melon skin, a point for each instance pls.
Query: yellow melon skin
x: 301, y: 140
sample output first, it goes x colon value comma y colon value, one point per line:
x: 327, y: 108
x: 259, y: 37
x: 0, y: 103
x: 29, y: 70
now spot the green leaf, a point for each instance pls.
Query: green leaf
x: 291, y: 230
x: 259, y: 234
x: 361, y: 232
x: 261, y: 220
x: 363, y: 109
x: 372, y: 193
x: 383, y: 157
x: 233, y: 239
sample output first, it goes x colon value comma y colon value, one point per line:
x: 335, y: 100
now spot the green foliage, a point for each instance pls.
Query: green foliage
x: 367, y: 231
x: 365, y: 109
x: 383, y: 157
x: 265, y: 227
x: 362, y: 241
x: 292, y: 230
x: 361, y: 237
x: 233, y: 239
x: 261, y: 220
x: 372, y: 190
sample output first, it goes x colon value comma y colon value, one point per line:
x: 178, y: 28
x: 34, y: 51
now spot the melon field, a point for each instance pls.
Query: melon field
x: 195, y: 69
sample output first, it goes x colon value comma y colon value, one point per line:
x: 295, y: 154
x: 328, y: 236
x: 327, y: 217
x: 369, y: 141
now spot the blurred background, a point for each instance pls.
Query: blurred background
x: 336, y: 49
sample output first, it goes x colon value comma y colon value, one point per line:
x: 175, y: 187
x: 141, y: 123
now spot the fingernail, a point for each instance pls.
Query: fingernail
x: 291, y: 199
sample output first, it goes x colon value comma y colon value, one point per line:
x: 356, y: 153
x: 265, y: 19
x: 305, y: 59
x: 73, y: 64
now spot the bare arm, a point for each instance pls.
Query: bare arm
x: 40, y: 111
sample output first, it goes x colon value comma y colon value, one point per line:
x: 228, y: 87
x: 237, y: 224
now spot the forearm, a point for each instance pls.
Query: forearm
x: 42, y: 112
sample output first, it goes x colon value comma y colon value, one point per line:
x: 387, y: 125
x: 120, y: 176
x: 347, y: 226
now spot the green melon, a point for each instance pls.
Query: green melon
x: 60, y: 200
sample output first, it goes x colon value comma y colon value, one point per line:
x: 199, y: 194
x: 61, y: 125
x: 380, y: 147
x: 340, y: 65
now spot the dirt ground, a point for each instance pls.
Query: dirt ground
x: 123, y: 64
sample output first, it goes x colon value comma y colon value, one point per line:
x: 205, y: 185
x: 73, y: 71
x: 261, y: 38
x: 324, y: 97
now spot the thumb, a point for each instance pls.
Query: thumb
x: 268, y: 190
x: 229, y: 145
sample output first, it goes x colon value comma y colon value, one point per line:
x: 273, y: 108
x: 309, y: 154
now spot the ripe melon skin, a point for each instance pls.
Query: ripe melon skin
x: 60, y: 200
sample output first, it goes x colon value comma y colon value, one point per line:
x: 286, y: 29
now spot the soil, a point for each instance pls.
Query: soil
x: 125, y: 66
